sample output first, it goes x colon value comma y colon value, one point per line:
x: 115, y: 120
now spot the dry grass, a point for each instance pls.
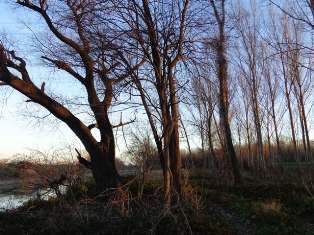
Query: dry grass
x: 271, y: 206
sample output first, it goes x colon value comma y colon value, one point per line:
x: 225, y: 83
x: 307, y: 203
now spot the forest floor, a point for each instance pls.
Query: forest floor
x: 268, y: 206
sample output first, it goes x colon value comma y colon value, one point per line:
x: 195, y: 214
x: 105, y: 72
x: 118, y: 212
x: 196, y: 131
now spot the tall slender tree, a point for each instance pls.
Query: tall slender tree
x: 248, y: 43
x: 219, y: 10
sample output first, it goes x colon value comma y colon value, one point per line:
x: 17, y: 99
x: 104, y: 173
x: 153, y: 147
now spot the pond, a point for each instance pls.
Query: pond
x: 13, y: 201
x: 9, y: 202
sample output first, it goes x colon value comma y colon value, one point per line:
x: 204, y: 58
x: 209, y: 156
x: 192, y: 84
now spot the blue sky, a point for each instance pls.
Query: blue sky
x: 17, y: 133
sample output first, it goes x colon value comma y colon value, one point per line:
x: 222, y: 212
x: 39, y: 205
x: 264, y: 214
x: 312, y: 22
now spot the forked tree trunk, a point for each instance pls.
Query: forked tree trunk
x: 273, y: 115
x: 102, y: 155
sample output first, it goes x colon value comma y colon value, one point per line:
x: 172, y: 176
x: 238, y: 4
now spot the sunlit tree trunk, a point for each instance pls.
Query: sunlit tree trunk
x: 174, y: 138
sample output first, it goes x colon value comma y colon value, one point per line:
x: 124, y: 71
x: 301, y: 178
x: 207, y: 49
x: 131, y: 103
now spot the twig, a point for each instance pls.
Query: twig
x: 186, y: 220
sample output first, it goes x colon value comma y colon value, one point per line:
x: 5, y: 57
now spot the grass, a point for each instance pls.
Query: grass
x: 272, y: 208
x: 264, y: 208
x: 288, y: 165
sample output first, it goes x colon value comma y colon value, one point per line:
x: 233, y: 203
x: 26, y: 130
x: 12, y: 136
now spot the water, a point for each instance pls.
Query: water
x: 9, y: 202
x: 12, y: 201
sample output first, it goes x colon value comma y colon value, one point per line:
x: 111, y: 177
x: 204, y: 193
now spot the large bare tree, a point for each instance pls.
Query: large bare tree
x: 77, y: 45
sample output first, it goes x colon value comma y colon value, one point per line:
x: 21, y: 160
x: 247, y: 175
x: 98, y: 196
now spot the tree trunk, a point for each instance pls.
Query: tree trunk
x: 190, y: 161
x: 102, y: 155
x: 223, y: 93
x: 212, y: 159
x: 249, y: 143
x: 168, y: 175
x: 104, y: 171
x: 261, y: 159
x: 152, y: 123
x: 224, y: 118
x: 175, y: 156
x: 285, y: 60
x: 174, y: 146
x: 288, y: 99
x: 301, y: 106
x: 270, y: 154
x: 274, y: 118
x: 240, y: 145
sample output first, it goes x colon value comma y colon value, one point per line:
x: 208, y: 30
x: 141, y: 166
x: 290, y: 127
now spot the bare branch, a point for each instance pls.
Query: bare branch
x: 42, y: 88
x: 66, y: 67
x: 123, y: 124
x: 95, y: 125
x: 311, y: 5
x: 83, y: 161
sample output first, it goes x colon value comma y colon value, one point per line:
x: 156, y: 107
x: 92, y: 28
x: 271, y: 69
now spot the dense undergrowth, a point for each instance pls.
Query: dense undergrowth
x: 207, y: 207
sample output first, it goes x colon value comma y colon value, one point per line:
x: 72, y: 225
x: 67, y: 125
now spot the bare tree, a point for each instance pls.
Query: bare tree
x: 300, y: 16
x: 246, y: 119
x: 142, y: 154
x: 205, y: 101
x: 280, y: 40
x: 272, y: 85
x: 299, y: 86
x: 248, y: 28
x: 74, y: 48
x: 158, y: 32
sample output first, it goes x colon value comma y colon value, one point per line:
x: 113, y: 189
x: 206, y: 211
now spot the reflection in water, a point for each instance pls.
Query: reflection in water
x: 9, y: 202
